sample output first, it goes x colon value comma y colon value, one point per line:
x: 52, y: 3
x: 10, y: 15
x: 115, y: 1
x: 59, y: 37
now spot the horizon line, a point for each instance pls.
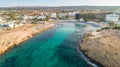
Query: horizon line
x: 58, y: 6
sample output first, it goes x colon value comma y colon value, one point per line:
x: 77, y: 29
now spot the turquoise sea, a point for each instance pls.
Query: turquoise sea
x: 56, y: 47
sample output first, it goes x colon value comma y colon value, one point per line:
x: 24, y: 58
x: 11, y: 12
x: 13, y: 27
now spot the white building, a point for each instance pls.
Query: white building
x: 2, y: 20
x: 81, y: 20
x: 72, y: 13
x: 112, y: 17
x: 25, y: 17
x: 41, y: 17
x: 62, y: 14
x: 53, y: 15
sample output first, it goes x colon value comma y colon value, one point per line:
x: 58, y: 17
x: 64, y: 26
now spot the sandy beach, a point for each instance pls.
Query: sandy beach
x: 13, y: 37
x: 103, y: 48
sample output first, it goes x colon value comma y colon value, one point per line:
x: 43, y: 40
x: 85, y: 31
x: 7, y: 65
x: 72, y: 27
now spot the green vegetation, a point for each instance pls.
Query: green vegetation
x: 116, y: 27
x: 77, y: 16
x: 104, y: 28
x: 112, y: 24
x: 88, y: 16
x: 47, y: 18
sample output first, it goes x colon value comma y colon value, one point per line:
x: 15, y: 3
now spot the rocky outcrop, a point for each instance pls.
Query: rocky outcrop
x: 13, y: 37
x: 104, y: 48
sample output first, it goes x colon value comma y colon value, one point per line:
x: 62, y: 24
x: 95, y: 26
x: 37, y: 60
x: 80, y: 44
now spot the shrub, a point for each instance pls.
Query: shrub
x: 112, y: 24
x: 105, y: 28
x: 116, y: 27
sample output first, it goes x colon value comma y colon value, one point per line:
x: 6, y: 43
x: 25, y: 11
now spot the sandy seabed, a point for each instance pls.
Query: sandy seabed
x: 13, y: 37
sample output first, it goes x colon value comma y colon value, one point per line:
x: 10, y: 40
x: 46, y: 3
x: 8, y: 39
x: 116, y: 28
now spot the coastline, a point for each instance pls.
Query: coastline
x: 90, y: 59
x: 102, y: 49
x: 14, y: 37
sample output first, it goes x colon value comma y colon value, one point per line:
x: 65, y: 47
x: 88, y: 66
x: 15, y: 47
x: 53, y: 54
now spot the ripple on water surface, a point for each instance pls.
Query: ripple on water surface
x: 55, y: 47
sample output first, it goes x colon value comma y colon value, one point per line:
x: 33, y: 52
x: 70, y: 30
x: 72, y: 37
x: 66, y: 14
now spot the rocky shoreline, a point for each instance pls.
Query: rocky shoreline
x: 13, y: 37
x: 103, y: 48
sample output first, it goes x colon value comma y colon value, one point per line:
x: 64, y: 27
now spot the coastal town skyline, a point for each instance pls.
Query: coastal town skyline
x: 14, y: 3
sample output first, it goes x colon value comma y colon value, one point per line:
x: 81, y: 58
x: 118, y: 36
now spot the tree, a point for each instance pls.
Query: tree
x: 12, y: 17
x: 34, y: 20
x: 47, y: 18
x: 57, y: 14
x: 77, y: 16
x: 111, y: 23
x: 88, y: 16
x: 20, y: 18
x: 67, y: 17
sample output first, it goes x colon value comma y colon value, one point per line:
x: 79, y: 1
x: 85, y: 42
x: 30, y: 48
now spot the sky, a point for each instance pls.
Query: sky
x: 12, y: 3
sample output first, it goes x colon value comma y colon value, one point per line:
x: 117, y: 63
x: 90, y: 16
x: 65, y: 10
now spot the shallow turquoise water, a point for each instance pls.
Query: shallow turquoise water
x: 55, y: 47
